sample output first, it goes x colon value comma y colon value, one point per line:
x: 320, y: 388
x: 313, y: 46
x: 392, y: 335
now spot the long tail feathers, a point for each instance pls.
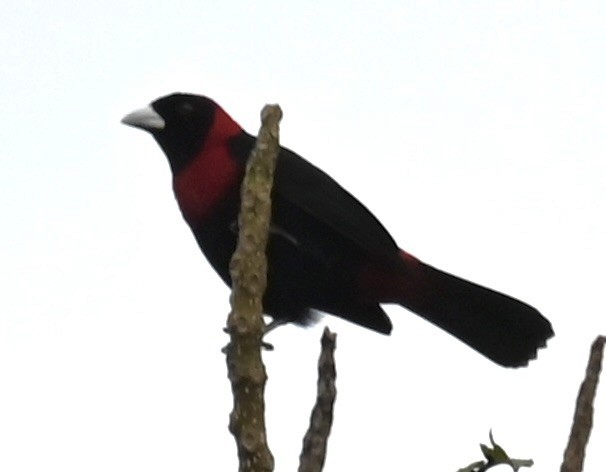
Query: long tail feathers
x: 500, y: 327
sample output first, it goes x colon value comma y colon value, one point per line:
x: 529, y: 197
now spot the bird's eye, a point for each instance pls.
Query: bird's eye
x: 186, y: 108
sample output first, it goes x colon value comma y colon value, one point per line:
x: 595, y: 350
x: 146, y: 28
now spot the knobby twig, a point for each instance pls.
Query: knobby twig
x: 583, y: 415
x: 245, y: 325
x: 313, y: 454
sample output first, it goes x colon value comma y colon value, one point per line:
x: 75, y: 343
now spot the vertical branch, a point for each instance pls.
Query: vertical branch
x: 583, y: 415
x: 245, y: 325
x: 313, y: 454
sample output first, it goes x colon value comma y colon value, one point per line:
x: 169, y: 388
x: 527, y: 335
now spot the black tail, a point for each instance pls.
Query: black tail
x: 502, y: 328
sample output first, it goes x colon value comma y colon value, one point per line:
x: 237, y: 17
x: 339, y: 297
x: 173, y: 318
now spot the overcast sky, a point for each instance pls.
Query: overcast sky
x: 474, y: 130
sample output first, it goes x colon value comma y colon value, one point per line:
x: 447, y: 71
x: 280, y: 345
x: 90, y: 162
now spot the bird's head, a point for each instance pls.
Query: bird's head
x: 180, y: 123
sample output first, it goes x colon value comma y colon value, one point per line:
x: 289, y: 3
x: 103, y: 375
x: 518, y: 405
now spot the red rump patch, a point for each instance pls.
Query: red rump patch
x: 409, y: 258
x: 211, y: 176
x: 387, y: 285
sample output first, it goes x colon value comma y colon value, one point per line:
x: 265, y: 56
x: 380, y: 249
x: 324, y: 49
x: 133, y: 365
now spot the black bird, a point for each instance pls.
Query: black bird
x: 326, y: 251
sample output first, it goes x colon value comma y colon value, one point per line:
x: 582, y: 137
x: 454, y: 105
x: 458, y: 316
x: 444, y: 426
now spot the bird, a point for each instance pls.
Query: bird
x: 327, y: 253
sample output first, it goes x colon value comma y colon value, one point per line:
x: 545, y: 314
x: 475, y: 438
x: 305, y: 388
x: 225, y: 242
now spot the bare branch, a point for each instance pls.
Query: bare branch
x: 583, y: 415
x: 245, y: 325
x: 313, y: 454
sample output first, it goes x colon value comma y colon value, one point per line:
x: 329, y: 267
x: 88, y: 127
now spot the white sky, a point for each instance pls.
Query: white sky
x: 474, y: 130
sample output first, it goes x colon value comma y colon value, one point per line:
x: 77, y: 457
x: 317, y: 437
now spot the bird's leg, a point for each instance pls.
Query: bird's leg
x: 273, y: 324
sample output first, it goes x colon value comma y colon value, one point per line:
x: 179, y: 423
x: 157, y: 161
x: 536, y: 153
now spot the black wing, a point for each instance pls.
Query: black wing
x: 314, y: 192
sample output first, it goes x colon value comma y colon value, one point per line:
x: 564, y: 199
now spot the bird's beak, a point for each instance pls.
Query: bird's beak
x: 145, y: 118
